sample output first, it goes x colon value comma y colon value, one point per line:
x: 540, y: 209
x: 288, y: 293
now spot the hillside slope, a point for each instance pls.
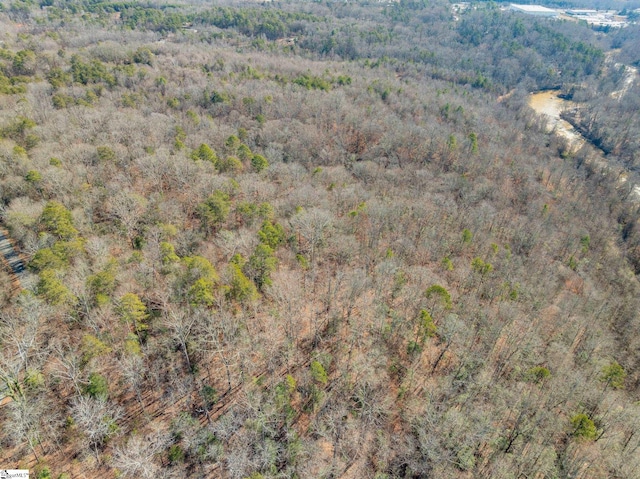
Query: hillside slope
x: 255, y: 257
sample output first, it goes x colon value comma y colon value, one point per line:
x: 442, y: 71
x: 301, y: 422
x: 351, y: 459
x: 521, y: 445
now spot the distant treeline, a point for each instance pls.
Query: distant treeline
x: 486, y: 48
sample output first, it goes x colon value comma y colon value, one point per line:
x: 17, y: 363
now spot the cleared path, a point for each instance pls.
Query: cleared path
x: 9, y: 256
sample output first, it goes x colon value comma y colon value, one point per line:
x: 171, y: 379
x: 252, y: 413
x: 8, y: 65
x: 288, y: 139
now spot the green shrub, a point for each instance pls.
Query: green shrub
x: 240, y: 287
x: 92, y: 72
x: 132, y: 345
x: 583, y: 427
x: 53, y: 290
x: 58, y: 220
x: 106, y: 154
x: 272, y: 235
x: 67, y: 250
x: 143, y: 55
x: 176, y: 454
x: 201, y: 293
x: 585, y: 242
x: 180, y: 138
x: 447, y: 264
x: 45, y: 258
x: 318, y: 373
x: 244, y: 153
x: 92, y: 347
x: 613, y: 375
x: 260, y: 266
x: 413, y: 348
x: 102, y: 283
x: 427, y: 328
x: 480, y: 266
x: 259, y: 163
x: 209, y: 396
x: 44, y: 473
x: 232, y: 143
x: 537, y: 374
x: 168, y: 253
x: 8, y: 87
x: 97, y: 387
x: 193, y: 116
x: 441, y: 292
x: 230, y: 164
x: 214, y: 211
x: 34, y: 379
x: 251, y: 211
x: 200, y: 267
x: 312, y: 82
x: 219, y: 97
x: 204, y: 153
x: 133, y: 311
x: 33, y: 176
x: 17, y: 130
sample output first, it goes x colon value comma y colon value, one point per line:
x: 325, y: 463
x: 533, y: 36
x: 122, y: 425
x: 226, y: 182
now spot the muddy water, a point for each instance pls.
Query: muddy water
x: 549, y: 104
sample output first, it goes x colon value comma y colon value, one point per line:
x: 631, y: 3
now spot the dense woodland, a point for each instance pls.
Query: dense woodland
x: 315, y: 240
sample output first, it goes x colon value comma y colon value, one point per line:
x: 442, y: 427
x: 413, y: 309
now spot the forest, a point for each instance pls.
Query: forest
x: 315, y: 239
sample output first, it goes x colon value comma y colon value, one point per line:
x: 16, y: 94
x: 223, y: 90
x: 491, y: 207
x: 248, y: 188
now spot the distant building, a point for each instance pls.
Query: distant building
x: 581, y: 12
x: 537, y: 10
x: 460, y: 6
x: 598, y: 18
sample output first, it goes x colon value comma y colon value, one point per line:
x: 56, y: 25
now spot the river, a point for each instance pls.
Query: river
x: 550, y: 105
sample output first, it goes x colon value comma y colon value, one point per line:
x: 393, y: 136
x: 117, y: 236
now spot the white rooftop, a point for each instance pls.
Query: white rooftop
x: 532, y: 8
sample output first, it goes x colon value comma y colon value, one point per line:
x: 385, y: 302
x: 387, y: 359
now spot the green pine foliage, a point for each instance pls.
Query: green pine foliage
x: 53, y: 290
x: 426, y: 326
x: 45, y: 258
x: 304, y: 190
x: 214, y: 211
x: 613, y: 375
x: 318, y: 372
x: 583, y: 428
x: 58, y: 220
x: 272, y: 235
x: 97, y: 387
x: 437, y: 291
x: 240, y: 288
x: 133, y: 311
x: 260, y: 266
x: 202, y: 293
x: 202, y: 281
x: 205, y: 153
x: 259, y: 163
x: 168, y: 252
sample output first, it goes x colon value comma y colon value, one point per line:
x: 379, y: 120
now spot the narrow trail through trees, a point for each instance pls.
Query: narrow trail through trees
x: 11, y: 260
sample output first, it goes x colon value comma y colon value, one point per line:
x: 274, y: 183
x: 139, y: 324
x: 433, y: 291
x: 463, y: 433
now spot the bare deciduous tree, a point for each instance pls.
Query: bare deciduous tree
x: 138, y: 456
x: 97, y: 420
